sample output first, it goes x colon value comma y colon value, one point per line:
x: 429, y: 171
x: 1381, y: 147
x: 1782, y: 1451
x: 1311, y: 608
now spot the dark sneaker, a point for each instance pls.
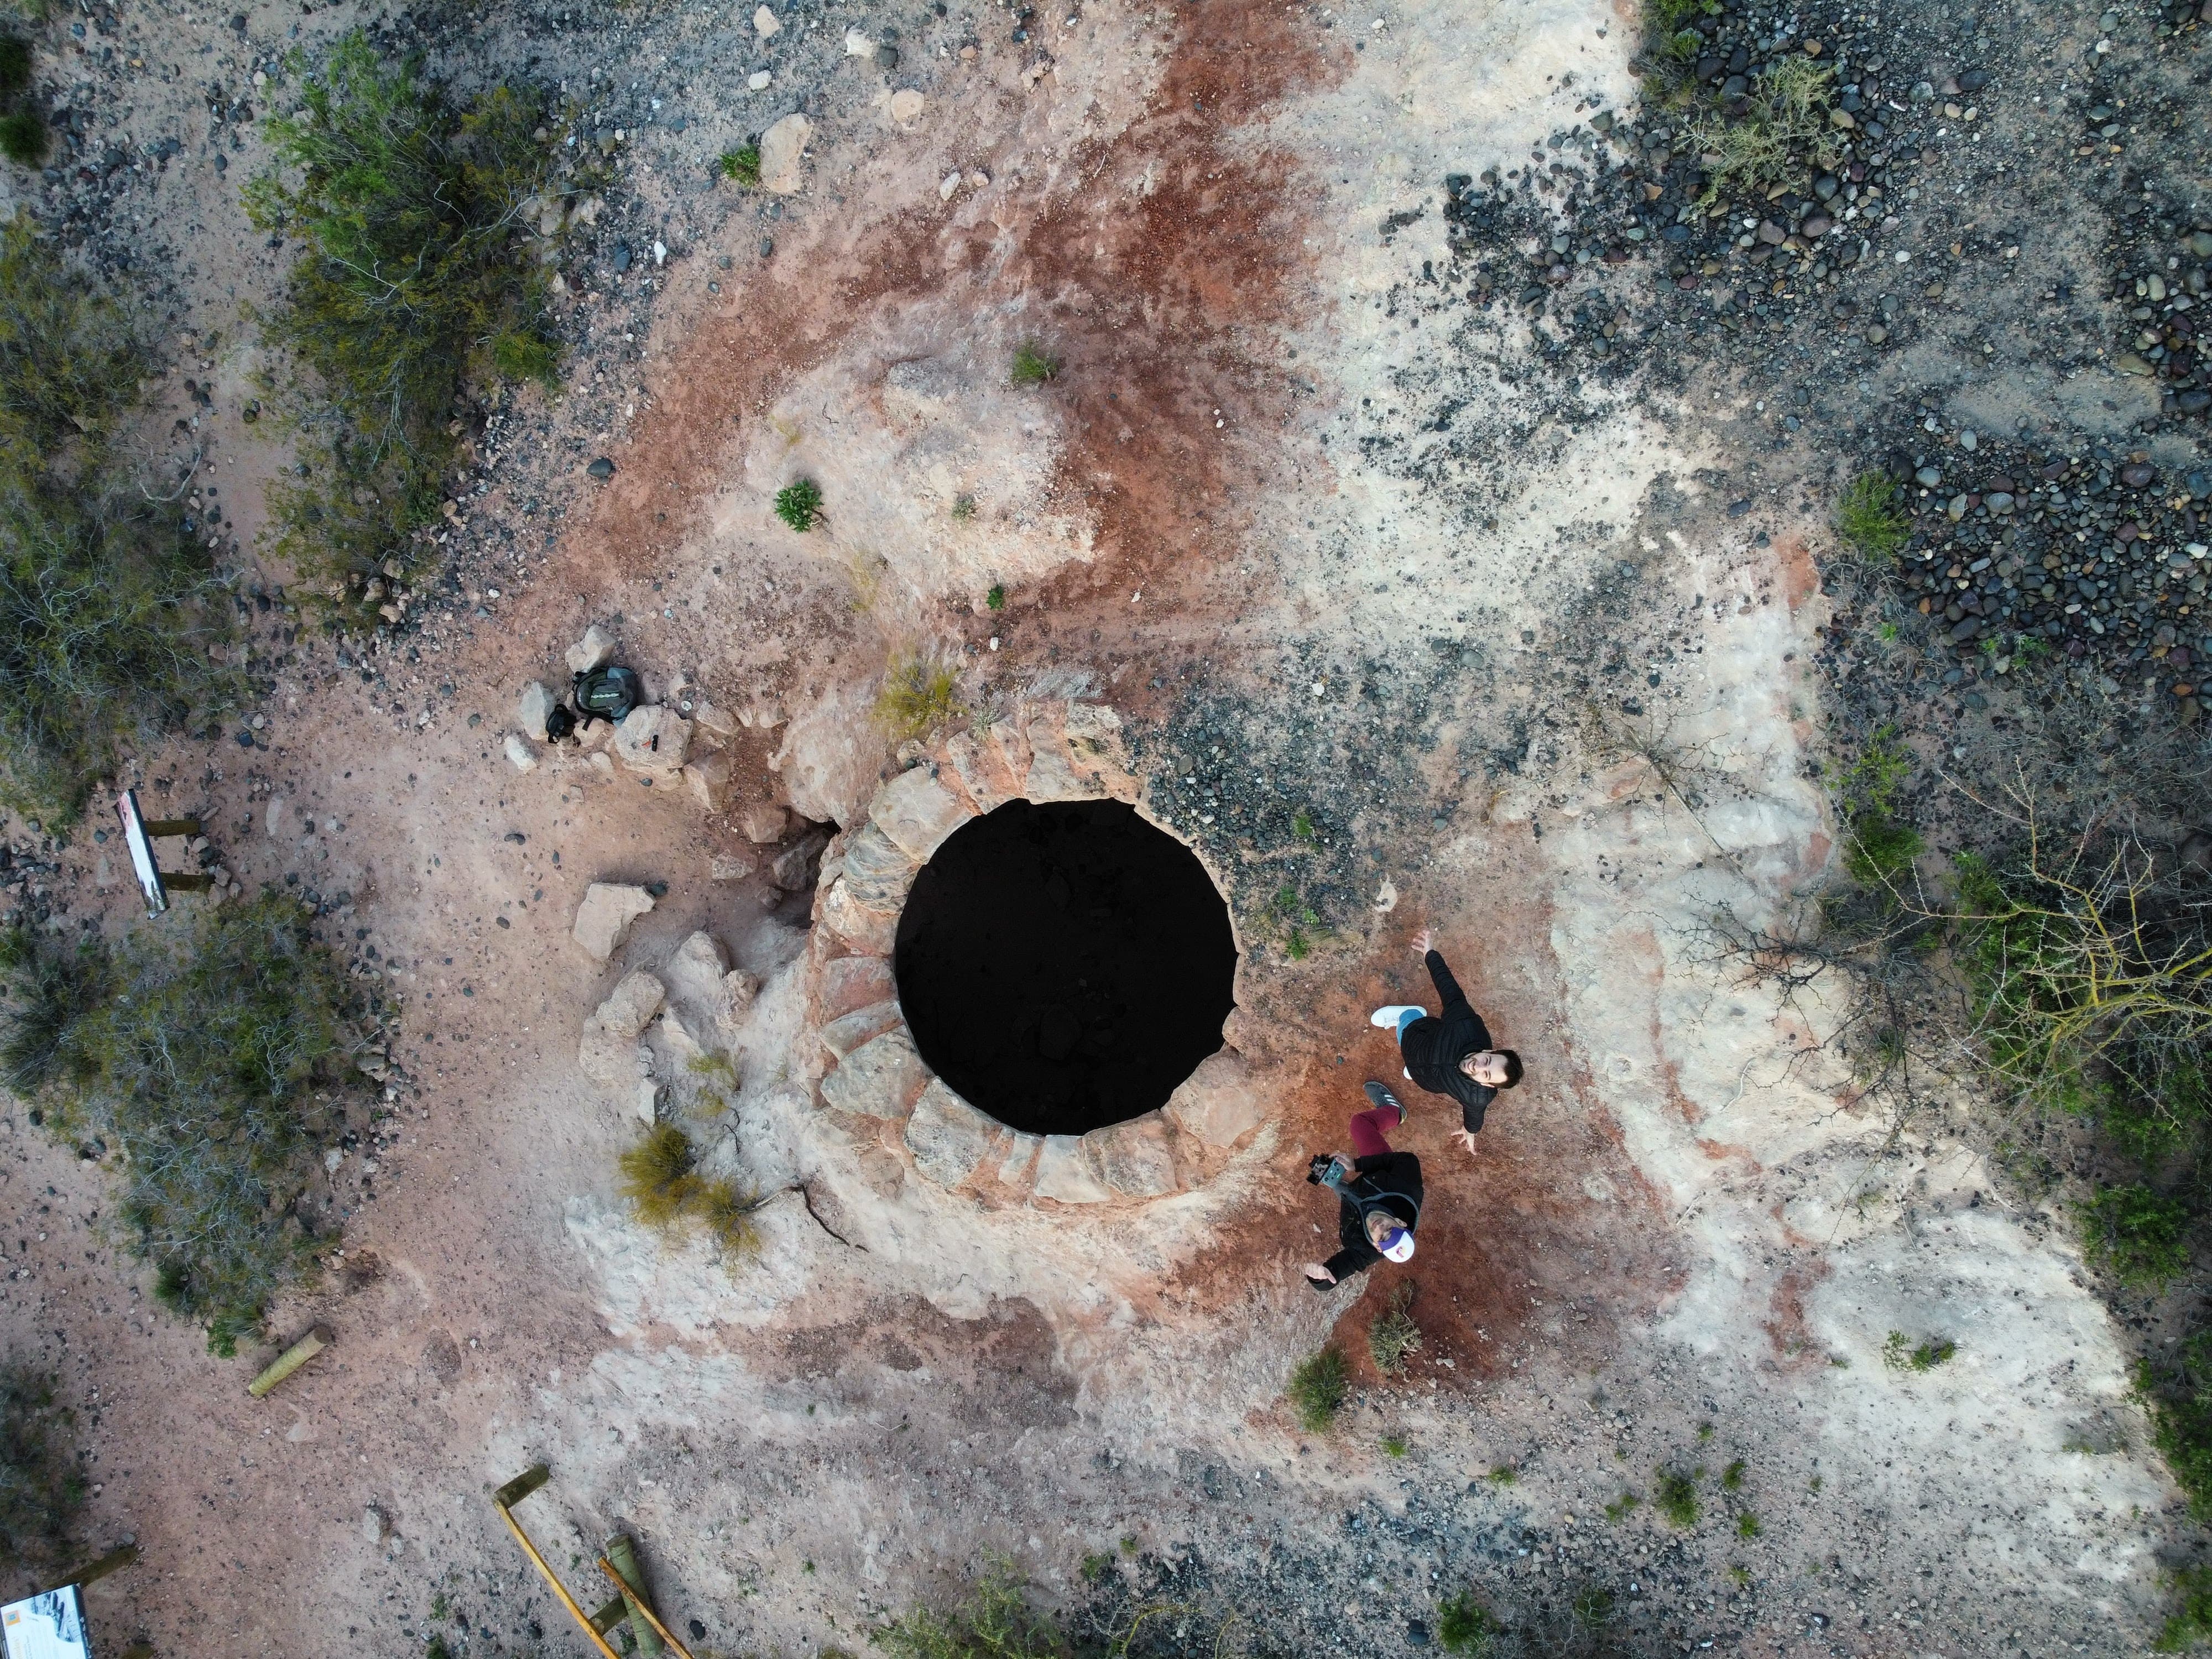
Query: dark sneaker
x: 1382, y: 1097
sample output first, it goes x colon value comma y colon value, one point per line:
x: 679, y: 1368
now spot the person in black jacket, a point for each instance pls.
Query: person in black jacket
x: 1378, y: 1195
x: 1451, y: 1053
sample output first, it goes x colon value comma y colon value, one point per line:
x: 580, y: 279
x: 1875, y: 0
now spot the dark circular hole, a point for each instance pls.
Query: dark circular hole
x: 1064, y: 966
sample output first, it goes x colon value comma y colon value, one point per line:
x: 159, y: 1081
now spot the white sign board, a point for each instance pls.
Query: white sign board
x: 49, y: 1626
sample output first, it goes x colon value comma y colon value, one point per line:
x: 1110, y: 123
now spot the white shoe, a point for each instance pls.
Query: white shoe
x: 1386, y: 1017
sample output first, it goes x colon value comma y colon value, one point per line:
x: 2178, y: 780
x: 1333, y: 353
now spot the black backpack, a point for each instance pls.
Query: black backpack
x: 606, y: 693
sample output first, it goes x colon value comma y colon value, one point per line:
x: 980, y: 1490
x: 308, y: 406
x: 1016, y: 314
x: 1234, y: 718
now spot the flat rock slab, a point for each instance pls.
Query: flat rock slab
x: 848, y: 1031
x: 864, y: 928
x: 879, y: 1078
x: 783, y: 155
x: 763, y: 823
x: 878, y: 870
x: 654, y: 740
x: 915, y: 813
x: 594, y: 650
x: 1134, y: 1159
x: 606, y: 915
x: 1067, y: 1172
x: 608, y: 1051
x: 852, y: 982
x: 830, y: 758
x: 1218, y: 1103
x: 533, y: 708
x: 950, y: 1138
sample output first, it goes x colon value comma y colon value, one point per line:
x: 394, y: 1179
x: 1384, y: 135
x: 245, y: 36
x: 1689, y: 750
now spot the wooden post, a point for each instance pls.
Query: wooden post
x: 317, y: 1338
x: 631, y: 1582
x: 93, y: 1571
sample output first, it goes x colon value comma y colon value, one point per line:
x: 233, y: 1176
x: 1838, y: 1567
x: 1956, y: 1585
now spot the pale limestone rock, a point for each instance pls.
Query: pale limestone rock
x: 603, y: 764
x: 916, y: 813
x: 709, y: 778
x: 878, y: 870
x: 851, y: 982
x: 879, y: 1078
x: 1134, y: 1159
x: 783, y: 155
x: 982, y: 771
x: 864, y: 929
x: 593, y: 651
x: 739, y: 990
x: 730, y: 867
x: 606, y: 915
x: 714, y: 719
x: 1218, y: 1103
x: 533, y: 708
x: 608, y: 1052
x: 831, y: 757
x: 1021, y: 1159
x: 907, y: 106
x: 1068, y: 1171
x: 649, y: 1100
x: 652, y: 740
x: 765, y: 23
x: 763, y: 823
x: 949, y: 1138
x: 519, y: 754
x: 694, y: 972
x: 1008, y: 749
x: 848, y: 1031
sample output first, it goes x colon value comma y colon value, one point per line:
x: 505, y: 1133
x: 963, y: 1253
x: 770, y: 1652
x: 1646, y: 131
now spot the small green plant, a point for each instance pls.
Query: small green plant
x: 1394, y: 1335
x: 1816, y: 1483
x: 661, y: 1182
x: 1746, y: 1524
x: 1465, y: 1625
x: 741, y: 165
x: 1877, y: 845
x: 1900, y: 1353
x: 1622, y: 1507
x: 1592, y: 1609
x: 920, y: 694
x: 1129, y: 1543
x: 1732, y: 1476
x: 1704, y: 1432
x: 23, y: 137
x: 964, y: 509
x: 1676, y: 1497
x: 1395, y: 1445
x: 799, y: 504
x: 1871, y: 520
x: 2190, y: 1623
x: 41, y: 1486
x: 996, y: 599
x: 1096, y: 1566
x: 2139, y: 1235
x: 1782, y: 132
x: 1503, y: 1474
x: 1319, y: 1388
x: 436, y: 1648
x: 1031, y: 366
x: 1887, y: 632
x: 992, y: 1620
x: 1302, y: 827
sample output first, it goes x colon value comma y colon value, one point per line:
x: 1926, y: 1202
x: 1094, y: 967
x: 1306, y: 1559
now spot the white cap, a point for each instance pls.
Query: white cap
x: 1400, y: 1247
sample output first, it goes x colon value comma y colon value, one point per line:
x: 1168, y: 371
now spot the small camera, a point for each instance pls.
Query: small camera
x: 1317, y: 1169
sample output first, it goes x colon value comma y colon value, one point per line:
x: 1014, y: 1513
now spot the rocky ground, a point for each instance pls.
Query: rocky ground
x: 1441, y: 498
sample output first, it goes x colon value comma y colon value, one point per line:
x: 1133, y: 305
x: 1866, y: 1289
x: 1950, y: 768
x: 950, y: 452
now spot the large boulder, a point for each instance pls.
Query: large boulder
x: 763, y: 823
x: 533, y: 708
x: 879, y: 1078
x: 653, y: 740
x: 916, y: 812
x: 783, y: 155
x: 949, y: 1138
x: 831, y: 757
x: 595, y: 650
x: 606, y: 915
x: 1218, y: 1103
x: 609, y: 1051
x: 709, y: 778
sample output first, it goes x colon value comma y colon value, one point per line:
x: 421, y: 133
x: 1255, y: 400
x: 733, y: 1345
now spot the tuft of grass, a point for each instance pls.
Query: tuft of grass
x: 2141, y: 1236
x: 1592, y: 1609
x: 992, y: 1619
x: 1747, y: 1525
x: 1503, y: 1474
x: 1319, y: 1388
x: 1395, y: 1445
x: 1778, y: 140
x: 1900, y: 1353
x: 964, y: 509
x: 996, y: 599
x: 1676, y: 1497
x: 799, y: 504
x: 1031, y: 366
x: 1302, y: 827
x: 41, y: 1485
x: 1465, y: 1625
x: 23, y: 137
x: 920, y: 694
x: 2189, y: 1624
x: 212, y: 1056
x: 1871, y: 520
x: 662, y: 1184
x: 1877, y: 845
x: 1622, y: 1507
x: 1732, y: 1476
x: 741, y: 165
x: 1096, y: 1566
x: 417, y: 278
x: 1393, y: 1334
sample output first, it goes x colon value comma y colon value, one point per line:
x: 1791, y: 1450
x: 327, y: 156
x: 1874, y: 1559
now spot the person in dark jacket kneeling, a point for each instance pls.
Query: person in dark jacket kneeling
x: 1449, y: 1053
x: 1378, y: 1194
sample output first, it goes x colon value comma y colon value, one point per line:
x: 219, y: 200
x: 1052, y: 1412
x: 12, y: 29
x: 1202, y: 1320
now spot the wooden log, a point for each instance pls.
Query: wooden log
x: 317, y: 1338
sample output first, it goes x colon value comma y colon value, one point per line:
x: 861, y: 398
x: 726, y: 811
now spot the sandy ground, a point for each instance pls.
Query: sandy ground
x: 1682, y: 1243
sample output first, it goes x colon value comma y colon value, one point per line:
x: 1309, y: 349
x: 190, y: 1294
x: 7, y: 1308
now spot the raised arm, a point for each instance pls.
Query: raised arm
x: 1447, y: 986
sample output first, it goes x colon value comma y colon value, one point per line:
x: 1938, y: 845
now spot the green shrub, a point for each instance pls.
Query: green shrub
x: 1319, y: 1388
x: 41, y: 1486
x: 2179, y: 1400
x: 992, y: 1620
x: 2190, y: 1624
x: 1747, y: 1525
x: 200, y: 1056
x: 2141, y: 1236
x: 14, y: 65
x: 996, y: 599
x: 417, y: 276
x: 1465, y: 1625
x: 1393, y: 1334
x: 1031, y: 366
x: 1592, y: 1607
x: 742, y: 165
x: 1785, y: 130
x: 1504, y: 1474
x: 23, y: 137
x: 1677, y: 1497
x: 71, y: 354
x: 660, y: 1181
x: 964, y: 509
x: 1877, y: 848
x: 1622, y: 1507
x: 920, y: 694
x: 1396, y: 1445
x: 1870, y: 517
x: 1900, y: 1353
x: 1732, y: 1476
x: 799, y: 504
